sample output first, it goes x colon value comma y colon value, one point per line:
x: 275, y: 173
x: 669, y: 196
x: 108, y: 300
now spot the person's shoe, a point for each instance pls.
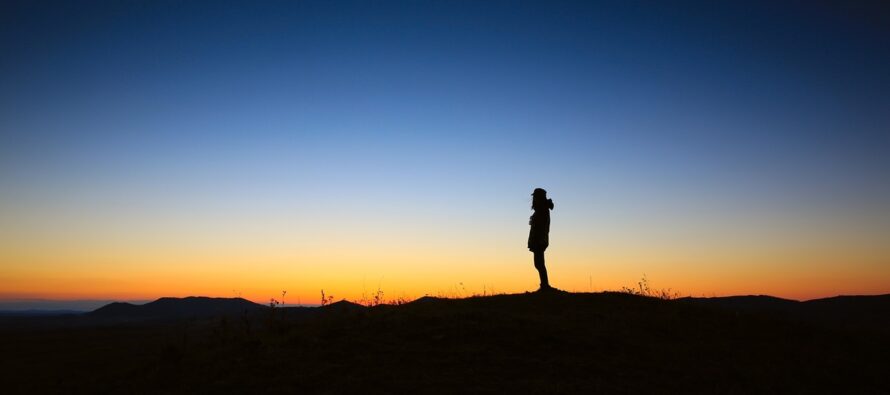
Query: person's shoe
x: 549, y: 289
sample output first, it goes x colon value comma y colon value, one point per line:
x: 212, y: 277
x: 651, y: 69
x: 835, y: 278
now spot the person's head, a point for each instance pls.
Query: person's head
x: 539, y: 199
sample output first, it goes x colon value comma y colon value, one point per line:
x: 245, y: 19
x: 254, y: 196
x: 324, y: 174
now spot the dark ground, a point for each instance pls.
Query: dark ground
x: 527, y: 343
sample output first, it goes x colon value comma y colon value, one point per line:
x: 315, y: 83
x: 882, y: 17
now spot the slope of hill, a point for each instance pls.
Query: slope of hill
x: 865, y: 312
x: 165, y: 308
x: 527, y: 343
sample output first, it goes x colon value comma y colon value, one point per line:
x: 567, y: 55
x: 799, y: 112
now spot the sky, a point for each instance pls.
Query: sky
x: 173, y: 148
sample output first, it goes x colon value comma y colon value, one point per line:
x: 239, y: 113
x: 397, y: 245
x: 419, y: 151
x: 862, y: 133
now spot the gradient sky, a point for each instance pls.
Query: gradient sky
x: 171, y: 148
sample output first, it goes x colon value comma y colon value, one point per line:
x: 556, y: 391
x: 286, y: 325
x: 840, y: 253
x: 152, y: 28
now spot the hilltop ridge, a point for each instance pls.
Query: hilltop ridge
x: 169, y: 307
x: 551, y: 342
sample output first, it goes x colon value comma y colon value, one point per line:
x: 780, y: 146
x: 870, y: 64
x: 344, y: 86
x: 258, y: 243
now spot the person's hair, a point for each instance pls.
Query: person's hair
x: 540, y: 201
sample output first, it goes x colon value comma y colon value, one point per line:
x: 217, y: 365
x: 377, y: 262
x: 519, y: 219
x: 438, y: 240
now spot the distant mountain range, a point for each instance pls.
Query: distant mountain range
x: 874, y: 309
x: 37, y: 313
x: 846, y: 310
x: 857, y: 310
x: 192, y: 306
x: 75, y: 305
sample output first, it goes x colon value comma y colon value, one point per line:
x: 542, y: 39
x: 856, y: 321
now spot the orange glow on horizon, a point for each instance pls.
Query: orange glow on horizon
x: 259, y: 256
x: 349, y: 276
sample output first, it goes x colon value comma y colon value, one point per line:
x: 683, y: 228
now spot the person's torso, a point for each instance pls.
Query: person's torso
x: 540, y: 217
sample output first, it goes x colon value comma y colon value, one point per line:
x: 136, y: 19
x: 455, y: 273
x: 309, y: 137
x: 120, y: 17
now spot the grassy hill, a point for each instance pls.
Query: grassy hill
x: 526, y: 343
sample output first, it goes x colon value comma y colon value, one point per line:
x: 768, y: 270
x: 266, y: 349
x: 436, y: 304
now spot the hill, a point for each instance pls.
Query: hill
x: 170, y: 308
x: 864, y: 312
x: 526, y: 343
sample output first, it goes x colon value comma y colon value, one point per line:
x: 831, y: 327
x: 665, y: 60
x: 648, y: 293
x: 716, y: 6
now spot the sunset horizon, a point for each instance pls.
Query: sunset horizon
x: 172, y: 149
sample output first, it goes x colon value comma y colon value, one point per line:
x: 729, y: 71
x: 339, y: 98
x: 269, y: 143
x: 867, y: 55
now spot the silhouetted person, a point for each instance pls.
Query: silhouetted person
x: 539, y: 234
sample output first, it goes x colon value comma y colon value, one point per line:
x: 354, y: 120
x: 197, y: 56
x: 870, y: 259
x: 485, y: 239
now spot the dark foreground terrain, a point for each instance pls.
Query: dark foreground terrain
x: 528, y: 343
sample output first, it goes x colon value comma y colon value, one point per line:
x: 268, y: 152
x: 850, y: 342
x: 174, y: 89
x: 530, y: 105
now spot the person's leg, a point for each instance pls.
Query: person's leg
x: 542, y: 270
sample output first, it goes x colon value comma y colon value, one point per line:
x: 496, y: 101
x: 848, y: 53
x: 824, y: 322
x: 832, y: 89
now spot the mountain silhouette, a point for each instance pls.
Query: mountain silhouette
x: 856, y: 310
x: 537, y: 342
x: 38, y: 313
x: 848, y: 310
x: 192, y: 306
x: 341, y: 306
